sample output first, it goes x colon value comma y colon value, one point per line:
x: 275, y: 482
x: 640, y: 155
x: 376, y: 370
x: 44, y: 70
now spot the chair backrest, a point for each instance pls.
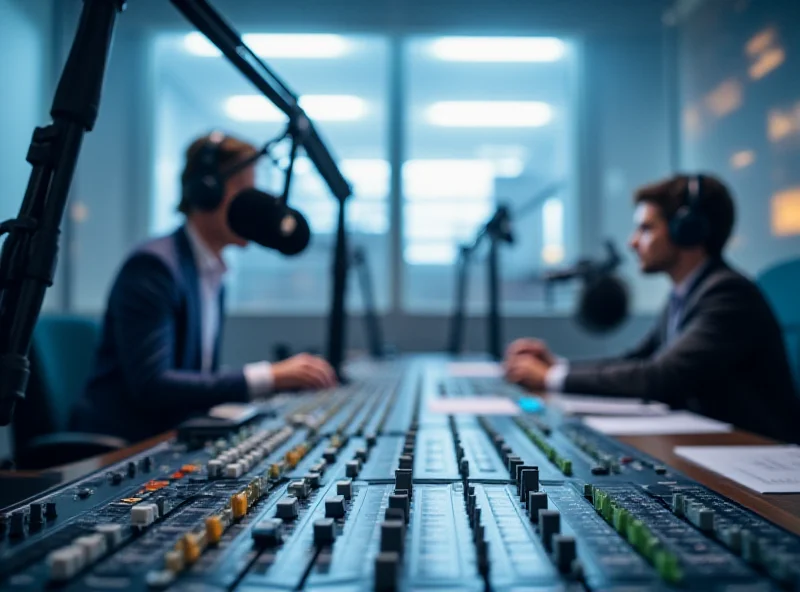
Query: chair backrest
x: 62, y: 357
x: 780, y: 285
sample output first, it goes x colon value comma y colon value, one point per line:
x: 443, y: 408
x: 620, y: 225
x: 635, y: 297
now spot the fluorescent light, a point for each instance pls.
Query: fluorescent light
x: 199, y: 45
x: 743, y: 159
x: 489, y: 114
x: 318, y: 108
x: 436, y: 179
x: 430, y: 254
x: 276, y: 46
x: 297, y: 46
x: 498, y: 49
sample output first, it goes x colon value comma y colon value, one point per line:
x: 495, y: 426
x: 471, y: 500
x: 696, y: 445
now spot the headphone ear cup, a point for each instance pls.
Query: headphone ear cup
x: 205, y: 191
x: 688, y: 229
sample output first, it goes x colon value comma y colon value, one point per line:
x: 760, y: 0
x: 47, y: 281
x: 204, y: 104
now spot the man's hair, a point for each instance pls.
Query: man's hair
x: 715, y: 203
x: 230, y: 151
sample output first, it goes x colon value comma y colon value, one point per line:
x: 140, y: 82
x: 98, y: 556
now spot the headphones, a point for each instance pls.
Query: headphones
x: 205, y: 187
x: 689, y: 227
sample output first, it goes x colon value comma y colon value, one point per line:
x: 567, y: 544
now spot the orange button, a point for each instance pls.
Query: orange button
x: 155, y: 485
x: 189, y: 468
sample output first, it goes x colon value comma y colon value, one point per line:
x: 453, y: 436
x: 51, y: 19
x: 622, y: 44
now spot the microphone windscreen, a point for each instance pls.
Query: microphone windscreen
x: 603, y: 303
x: 262, y: 218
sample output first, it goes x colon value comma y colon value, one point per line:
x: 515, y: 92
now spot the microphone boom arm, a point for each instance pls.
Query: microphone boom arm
x: 209, y: 22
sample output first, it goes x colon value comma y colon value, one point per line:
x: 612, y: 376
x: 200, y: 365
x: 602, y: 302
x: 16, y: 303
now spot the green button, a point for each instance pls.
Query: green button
x: 668, y: 567
x: 621, y: 518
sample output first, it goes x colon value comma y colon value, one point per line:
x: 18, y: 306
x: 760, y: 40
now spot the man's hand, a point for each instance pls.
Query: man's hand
x: 303, y: 371
x: 527, y: 371
x: 530, y: 347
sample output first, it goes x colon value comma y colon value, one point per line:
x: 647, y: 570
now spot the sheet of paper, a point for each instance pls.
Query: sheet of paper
x: 676, y: 422
x: 473, y: 406
x: 765, y: 469
x: 475, y: 369
x: 585, y: 405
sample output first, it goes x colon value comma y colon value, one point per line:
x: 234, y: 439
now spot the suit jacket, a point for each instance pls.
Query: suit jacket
x: 147, y: 375
x: 728, y: 360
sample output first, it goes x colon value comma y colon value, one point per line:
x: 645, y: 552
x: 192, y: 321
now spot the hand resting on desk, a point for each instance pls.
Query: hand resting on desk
x: 303, y: 371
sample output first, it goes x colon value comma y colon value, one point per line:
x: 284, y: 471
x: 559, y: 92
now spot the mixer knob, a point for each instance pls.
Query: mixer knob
x: 299, y: 489
x: 564, y: 552
x: 537, y: 500
x: 512, y: 463
x: 50, y: 510
x: 372, y: 439
x: 17, y: 527
x: 403, y: 480
x: 111, y: 532
x: 529, y: 482
x: 329, y: 455
x: 268, y: 533
x: 147, y: 464
x: 361, y: 454
x: 131, y: 468
x: 324, y: 531
x: 387, y: 571
x: 406, y: 461
x: 549, y: 525
x: 334, y: 507
x: 345, y: 489
x: 286, y: 508
x: 35, y: 517
x: 313, y: 479
x: 393, y: 536
x: 351, y: 469
x: 401, y: 502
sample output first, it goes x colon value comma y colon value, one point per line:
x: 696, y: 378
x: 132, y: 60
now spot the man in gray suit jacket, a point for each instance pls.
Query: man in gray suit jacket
x: 716, y: 349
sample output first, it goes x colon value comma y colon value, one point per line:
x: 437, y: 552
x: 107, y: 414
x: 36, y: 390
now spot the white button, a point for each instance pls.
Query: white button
x: 112, y: 533
x: 144, y: 514
x: 65, y: 562
x: 233, y: 470
x: 93, y: 545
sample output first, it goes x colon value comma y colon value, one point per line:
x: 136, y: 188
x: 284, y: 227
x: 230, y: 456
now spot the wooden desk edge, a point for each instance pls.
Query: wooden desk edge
x: 782, y: 509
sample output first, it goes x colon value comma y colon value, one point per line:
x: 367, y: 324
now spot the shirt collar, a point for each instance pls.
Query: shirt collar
x: 206, y: 260
x: 682, y: 289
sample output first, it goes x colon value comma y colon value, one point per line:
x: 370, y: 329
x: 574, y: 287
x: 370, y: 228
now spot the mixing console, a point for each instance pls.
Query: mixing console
x: 364, y: 488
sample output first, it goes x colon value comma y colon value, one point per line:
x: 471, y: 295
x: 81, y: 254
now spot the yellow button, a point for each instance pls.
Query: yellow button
x: 191, y: 548
x: 239, y: 505
x: 213, y: 529
x: 174, y: 561
x: 292, y: 458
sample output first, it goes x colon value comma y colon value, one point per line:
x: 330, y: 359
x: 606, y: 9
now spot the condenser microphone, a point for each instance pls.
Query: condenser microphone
x: 262, y: 218
x: 603, y: 300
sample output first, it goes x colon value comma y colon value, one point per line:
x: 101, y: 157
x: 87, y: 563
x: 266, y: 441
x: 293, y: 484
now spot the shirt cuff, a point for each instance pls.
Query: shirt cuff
x: 259, y: 378
x: 556, y: 376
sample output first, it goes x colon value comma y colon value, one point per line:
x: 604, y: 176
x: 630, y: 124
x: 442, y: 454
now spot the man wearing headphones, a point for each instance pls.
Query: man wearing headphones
x: 716, y: 349
x: 157, y: 363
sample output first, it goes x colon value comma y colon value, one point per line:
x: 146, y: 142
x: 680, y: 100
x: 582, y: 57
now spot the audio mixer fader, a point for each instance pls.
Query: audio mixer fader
x: 363, y: 488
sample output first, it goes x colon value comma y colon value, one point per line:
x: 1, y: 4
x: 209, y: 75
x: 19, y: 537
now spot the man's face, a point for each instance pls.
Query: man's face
x: 245, y: 179
x: 650, y: 239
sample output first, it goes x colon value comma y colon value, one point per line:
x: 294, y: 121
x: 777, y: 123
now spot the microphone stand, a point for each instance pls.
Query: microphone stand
x: 497, y: 229
x: 28, y: 258
x: 229, y: 42
x: 373, y: 328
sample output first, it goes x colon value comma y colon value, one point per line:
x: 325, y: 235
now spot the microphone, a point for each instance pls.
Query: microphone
x: 262, y: 218
x: 603, y: 301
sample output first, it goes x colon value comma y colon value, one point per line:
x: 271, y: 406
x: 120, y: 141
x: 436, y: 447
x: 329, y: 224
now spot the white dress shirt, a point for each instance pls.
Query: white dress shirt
x: 557, y: 374
x: 210, y: 270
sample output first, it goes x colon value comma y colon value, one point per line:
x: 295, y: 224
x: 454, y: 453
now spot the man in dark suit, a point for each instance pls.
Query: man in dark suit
x: 716, y: 349
x: 158, y: 361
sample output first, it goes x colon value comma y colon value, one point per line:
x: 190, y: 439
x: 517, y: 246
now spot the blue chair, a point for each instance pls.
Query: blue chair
x: 62, y: 357
x: 780, y: 285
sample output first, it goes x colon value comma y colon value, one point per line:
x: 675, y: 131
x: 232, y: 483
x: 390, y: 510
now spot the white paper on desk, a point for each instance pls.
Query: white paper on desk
x: 475, y: 369
x: 586, y: 405
x: 473, y: 406
x: 676, y: 422
x: 765, y: 469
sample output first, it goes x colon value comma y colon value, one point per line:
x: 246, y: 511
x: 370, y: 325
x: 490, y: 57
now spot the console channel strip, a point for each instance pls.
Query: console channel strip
x: 363, y: 488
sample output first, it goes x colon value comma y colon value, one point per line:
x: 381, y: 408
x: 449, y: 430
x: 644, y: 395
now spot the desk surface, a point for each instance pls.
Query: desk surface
x: 783, y: 509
